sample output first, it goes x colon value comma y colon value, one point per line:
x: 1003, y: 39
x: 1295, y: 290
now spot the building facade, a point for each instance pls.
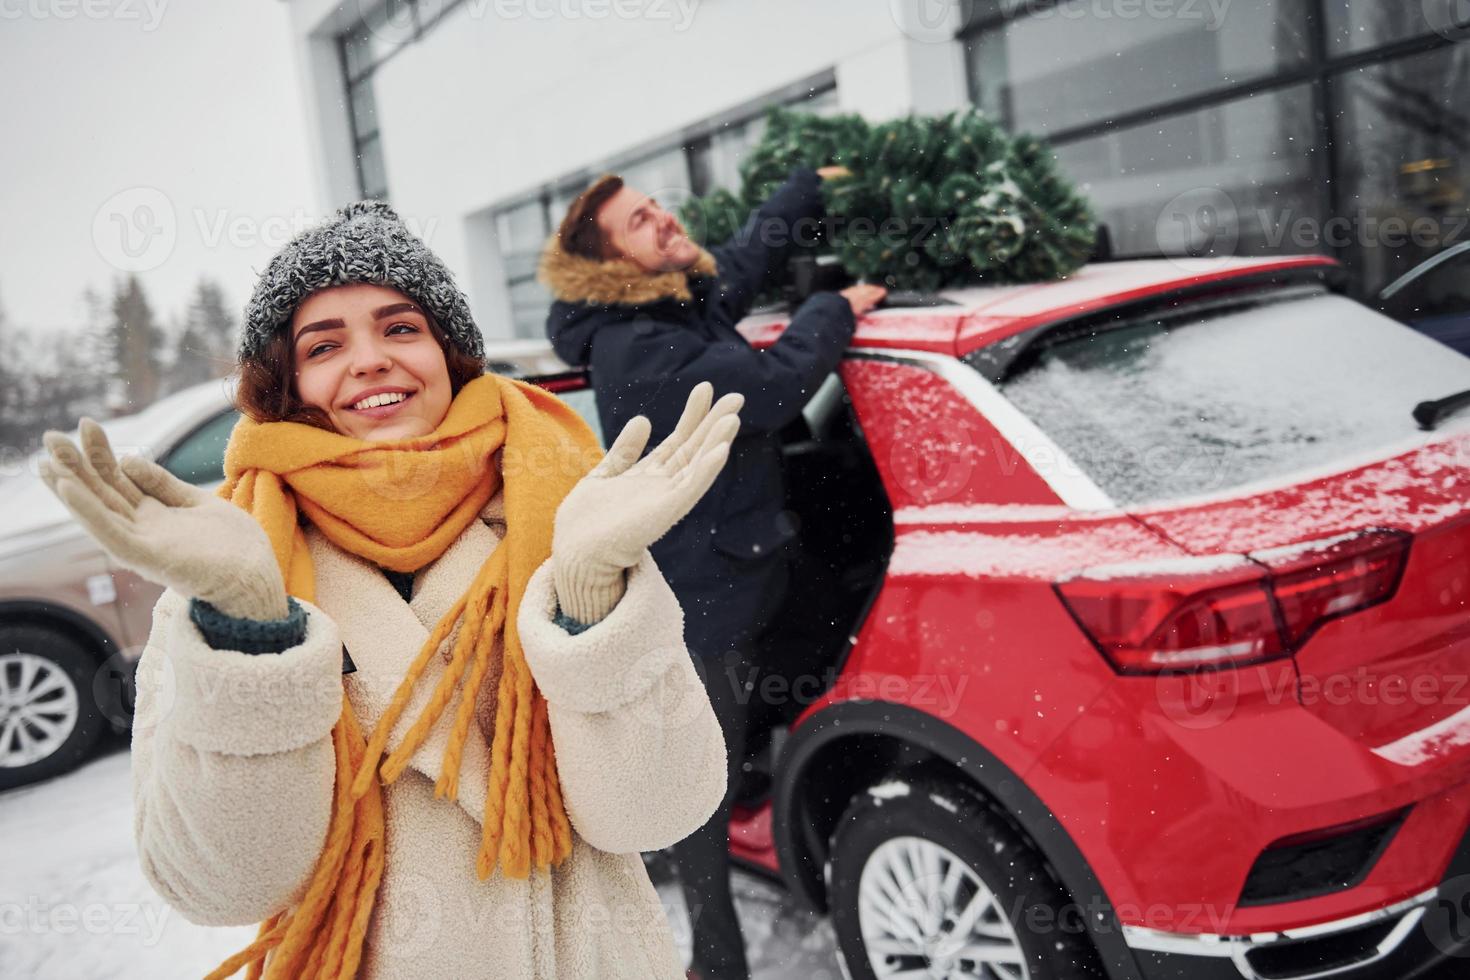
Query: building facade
x: 1195, y: 126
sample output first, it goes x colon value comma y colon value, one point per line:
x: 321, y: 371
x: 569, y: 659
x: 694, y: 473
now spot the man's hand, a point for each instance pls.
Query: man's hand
x: 834, y: 172
x: 863, y: 297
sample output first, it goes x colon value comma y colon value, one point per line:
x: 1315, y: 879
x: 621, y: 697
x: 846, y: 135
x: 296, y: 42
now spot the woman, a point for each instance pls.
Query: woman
x: 416, y: 695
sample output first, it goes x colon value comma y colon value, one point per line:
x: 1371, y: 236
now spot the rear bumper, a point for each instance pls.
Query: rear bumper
x: 1401, y: 941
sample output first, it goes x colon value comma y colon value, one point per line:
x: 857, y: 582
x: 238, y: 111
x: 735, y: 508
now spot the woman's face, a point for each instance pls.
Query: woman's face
x: 365, y: 355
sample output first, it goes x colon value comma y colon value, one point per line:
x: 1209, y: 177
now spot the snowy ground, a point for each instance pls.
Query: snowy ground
x: 74, y: 905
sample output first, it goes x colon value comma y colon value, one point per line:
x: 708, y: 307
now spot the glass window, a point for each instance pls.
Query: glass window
x: 1231, y: 179
x: 562, y: 198
x: 522, y: 228
x: 200, y: 457
x: 664, y: 176
x: 1358, y: 25
x: 1404, y: 166
x: 529, y: 301
x: 370, y: 168
x: 668, y: 175
x: 1155, y: 409
x: 392, y: 25
x: 823, y: 103
x: 357, y: 48
x: 388, y: 28
x: 1439, y: 287
x: 364, y: 108
x: 716, y: 161
x: 1080, y: 61
x: 1435, y: 298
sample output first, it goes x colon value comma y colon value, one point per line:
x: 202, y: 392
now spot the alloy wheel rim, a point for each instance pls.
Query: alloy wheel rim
x: 924, y: 912
x: 39, y: 708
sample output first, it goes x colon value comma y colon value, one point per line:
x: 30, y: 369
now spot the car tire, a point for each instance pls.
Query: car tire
x: 977, y: 869
x: 49, y: 721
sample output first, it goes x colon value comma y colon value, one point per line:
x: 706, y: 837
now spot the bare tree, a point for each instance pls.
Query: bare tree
x: 204, y: 346
x: 135, y: 342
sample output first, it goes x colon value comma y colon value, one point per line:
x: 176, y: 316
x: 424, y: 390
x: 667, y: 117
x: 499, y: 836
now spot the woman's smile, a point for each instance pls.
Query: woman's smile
x: 380, y: 403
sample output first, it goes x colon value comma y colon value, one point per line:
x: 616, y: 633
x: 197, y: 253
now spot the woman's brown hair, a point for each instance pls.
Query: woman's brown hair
x: 267, y: 388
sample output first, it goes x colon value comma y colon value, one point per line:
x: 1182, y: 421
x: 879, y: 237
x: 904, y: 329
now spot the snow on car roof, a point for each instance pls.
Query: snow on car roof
x: 27, y: 505
x: 1002, y: 313
x: 982, y: 314
x: 145, y: 430
x: 1108, y: 280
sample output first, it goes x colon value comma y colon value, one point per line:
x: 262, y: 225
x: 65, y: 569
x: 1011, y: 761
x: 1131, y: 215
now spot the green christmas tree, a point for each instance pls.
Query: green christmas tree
x: 931, y: 201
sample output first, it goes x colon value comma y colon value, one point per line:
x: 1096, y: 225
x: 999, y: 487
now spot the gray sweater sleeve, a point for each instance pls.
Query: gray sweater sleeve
x: 249, y: 635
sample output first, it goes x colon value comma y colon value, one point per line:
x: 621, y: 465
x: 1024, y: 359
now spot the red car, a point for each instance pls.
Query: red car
x: 1129, y: 635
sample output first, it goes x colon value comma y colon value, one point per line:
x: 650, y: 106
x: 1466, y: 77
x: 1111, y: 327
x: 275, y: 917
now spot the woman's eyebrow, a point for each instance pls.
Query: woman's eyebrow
x: 333, y: 324
x: 393, y: 308
x: 336, y: 323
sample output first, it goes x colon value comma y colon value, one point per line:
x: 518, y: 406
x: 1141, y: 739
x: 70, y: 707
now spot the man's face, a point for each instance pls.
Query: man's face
x: 645, y: 233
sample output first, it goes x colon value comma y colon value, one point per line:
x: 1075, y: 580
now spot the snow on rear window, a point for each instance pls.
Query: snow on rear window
x: 1153, y: 411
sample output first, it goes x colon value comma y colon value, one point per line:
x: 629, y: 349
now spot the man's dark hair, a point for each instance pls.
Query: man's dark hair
x: 580, y: 234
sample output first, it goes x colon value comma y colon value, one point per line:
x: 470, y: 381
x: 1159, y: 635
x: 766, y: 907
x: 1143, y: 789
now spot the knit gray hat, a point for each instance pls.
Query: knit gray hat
x: 367, y: 242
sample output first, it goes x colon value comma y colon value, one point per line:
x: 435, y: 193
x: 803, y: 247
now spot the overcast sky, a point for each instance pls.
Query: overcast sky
x: 165, y: 137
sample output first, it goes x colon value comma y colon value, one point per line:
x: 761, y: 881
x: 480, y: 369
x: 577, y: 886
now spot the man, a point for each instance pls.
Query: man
x: 652, y: 314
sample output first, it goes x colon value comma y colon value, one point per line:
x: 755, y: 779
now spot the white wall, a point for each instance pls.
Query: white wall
x: 504, y: 95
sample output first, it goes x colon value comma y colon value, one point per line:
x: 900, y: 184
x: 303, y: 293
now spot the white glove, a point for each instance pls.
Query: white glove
x: 168, y: 531
x: 626, y: 504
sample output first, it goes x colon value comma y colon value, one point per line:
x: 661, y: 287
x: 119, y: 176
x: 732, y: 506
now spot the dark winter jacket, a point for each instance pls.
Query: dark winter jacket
x: 649, y: 339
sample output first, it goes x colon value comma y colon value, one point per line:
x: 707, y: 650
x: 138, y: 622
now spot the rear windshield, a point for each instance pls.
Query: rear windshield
x: 1156, y: 408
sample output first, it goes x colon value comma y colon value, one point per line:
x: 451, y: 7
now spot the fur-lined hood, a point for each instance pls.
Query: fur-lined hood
x: 615, y: 282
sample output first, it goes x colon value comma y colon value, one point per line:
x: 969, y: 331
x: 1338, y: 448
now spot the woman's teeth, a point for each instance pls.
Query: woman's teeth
x: 386, y: 398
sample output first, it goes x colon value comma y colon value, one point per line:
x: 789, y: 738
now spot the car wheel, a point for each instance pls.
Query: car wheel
x: 48, y: 721
x: 926, y: 881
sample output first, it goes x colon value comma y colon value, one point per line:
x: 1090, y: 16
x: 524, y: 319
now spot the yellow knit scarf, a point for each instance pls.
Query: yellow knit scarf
x: 401, y: 504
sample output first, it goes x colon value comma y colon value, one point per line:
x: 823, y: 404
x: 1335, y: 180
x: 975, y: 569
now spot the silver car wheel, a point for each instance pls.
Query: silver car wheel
x: 923, y: 912
x: 39, y: 708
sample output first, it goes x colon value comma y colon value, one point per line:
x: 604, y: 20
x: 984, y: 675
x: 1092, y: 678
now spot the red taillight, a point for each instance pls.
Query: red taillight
x: 1178, y: 617
x: 1319, y: 582
x: 1177, y: 621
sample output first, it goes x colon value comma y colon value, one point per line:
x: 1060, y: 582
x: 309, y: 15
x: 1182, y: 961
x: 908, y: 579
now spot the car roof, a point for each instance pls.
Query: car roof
x: 981, y: 315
